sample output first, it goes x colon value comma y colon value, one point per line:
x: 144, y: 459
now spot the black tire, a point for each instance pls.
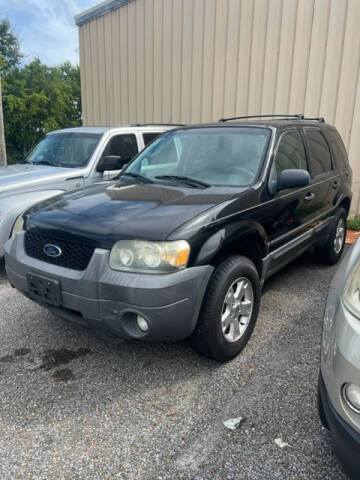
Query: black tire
x: 327, y: 252
x: 208, y: 338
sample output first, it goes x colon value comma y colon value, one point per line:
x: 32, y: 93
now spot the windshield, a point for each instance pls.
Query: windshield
x: 70, y: 150
x: 216, y: 156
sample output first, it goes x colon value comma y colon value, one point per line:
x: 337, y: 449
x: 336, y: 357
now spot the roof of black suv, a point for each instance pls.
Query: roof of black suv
x: 276, y: 121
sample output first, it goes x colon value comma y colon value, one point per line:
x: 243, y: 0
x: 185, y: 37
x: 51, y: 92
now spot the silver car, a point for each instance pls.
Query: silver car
x: 66, y: 160
x: 339, y: 379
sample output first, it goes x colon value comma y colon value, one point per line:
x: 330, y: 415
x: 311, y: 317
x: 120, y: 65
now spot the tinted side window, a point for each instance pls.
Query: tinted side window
x: 290, y: 153
x: 320, y: 158
x: 149, y: 137
x: 124, y: 146
x: 338, y: 148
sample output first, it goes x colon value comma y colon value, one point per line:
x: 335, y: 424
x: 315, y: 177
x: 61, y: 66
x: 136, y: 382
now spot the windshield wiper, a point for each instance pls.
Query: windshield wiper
x: 186, y: 180
x: 137, y: 176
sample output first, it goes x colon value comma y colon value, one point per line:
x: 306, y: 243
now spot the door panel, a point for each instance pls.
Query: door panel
x: 324, y: 182
x: 294, y: 208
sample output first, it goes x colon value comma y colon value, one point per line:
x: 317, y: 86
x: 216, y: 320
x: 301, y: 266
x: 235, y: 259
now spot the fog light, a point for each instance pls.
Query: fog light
x: 142, y: 323
x: 351, y: 394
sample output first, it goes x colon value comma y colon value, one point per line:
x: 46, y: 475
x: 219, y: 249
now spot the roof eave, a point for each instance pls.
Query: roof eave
x: 99, y: 10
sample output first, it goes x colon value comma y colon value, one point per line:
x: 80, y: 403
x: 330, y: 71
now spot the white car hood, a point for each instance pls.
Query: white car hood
x: 23, y: 176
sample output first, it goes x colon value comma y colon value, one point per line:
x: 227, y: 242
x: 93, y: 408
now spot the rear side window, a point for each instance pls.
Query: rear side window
x: 320, y: 157
x: 149, y: 137
x: 124, y: 146
x: 290, y: 153
x: 338, y: 148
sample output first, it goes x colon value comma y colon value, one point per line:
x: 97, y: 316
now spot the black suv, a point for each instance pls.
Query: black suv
x: 181, y: 242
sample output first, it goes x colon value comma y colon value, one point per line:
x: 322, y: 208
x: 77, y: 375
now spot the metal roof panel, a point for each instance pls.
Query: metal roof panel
x: 99, y: 10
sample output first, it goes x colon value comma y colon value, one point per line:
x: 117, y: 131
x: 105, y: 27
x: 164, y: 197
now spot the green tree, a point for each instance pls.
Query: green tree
x: 71, y: 77
x: 10, y: 55
x: 39, y: 99
x: 36, y: 98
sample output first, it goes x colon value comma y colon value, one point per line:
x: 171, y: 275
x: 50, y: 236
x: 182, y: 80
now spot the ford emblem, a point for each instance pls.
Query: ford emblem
x: 52, y: 250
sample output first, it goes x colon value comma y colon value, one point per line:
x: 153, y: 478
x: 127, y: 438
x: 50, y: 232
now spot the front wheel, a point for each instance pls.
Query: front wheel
x: 331, y: 251
x: 229, y: 311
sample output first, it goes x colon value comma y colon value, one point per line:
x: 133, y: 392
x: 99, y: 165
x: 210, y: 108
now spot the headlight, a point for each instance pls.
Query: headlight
x: 351, y: 295
x: 147, y: 257
x: 18, y: 226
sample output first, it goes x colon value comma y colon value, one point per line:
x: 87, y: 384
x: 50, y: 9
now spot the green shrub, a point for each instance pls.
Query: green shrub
x: 353, y: 223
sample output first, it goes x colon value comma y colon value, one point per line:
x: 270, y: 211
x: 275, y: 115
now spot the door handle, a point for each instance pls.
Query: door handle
x: 310, y: 196
x: 335, y: 184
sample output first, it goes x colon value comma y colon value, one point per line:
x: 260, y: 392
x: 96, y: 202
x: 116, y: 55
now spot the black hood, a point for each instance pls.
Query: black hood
x: 104, y: 213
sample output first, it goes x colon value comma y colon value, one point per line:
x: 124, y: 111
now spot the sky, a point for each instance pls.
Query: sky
x: 46, y: 28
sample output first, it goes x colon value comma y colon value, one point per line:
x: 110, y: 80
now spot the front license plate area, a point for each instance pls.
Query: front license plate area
x: 44, y: 289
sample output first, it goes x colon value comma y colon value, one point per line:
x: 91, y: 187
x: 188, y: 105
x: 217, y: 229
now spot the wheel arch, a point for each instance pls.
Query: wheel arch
x: 345, y: 204
x: 248, y: 239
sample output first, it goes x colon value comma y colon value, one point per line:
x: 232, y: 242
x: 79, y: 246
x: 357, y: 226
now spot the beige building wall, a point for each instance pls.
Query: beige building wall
x: 192, y: 61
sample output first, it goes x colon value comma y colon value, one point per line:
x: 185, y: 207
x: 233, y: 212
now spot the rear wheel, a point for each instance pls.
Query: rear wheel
x: 230, y: 309
x: 331, y: 251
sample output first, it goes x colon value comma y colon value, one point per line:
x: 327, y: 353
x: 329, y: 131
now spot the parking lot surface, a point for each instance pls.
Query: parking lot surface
x: 76, y: 404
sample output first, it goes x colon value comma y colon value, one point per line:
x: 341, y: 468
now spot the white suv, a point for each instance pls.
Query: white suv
x: 66, y: 160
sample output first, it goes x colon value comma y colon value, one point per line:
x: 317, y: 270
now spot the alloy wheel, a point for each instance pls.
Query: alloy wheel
x: 339, y: 236
x: 237, y: 309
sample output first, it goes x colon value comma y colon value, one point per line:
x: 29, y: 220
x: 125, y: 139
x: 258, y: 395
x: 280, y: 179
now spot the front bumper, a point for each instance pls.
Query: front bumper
x: 346, y: 440
x: 103, y: 297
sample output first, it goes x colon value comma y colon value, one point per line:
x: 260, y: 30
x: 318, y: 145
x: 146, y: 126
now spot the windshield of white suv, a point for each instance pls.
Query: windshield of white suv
x: 68, y: 149
x: 202, y: 157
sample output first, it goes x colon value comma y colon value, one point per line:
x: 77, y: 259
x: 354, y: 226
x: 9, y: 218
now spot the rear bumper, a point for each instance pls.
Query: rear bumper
x: 346, y: 440
x: 103, y: 297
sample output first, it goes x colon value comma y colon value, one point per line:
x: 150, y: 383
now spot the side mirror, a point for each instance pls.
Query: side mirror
x: 293, y: 178
x: 111, y: 162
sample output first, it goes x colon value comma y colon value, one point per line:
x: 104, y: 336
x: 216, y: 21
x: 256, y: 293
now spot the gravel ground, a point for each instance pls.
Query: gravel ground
x: 78, y: 405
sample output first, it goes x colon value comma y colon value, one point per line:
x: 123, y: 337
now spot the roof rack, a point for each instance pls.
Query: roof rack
x: 157, y: 124
x: 298, y: 116
x: 315, y: 119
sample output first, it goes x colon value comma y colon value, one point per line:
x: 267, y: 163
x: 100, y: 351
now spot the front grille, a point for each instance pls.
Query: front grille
x: 73, y: 255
